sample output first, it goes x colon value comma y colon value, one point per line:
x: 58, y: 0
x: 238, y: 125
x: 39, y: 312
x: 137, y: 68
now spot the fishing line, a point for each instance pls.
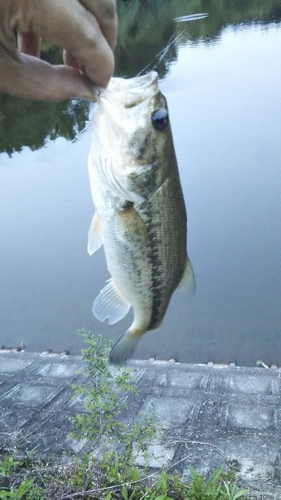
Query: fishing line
x: 192, y: 17
x: 157, y: 59
x: 174, y: 38
x: 160, y: 56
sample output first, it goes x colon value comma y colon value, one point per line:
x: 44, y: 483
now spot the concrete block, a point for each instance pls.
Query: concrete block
x: 159, y: 456
x: 58, y: 370
x: 29, y: 395
x: 251, y: 385
x: 12, y: 365
x: 180, y: 378
x: 169, y: 411
x: 249, y: 417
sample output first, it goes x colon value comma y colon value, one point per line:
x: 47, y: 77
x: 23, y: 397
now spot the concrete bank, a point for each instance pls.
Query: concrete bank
x: 212, y: 414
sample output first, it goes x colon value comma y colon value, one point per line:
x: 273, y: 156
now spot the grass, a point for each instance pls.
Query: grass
x: 109, y: 473
x: 28, y: 479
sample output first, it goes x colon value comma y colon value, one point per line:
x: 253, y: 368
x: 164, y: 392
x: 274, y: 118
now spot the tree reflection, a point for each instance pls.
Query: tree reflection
x: 148, y: 38
x: 146, y: 27
x: 25, y: 122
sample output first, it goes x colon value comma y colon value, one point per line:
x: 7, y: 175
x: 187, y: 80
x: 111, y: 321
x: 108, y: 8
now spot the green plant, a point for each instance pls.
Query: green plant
x: 104, y: 394
x: 118, y: 472
x: 110, y: 472
x: 199, y: 487
x: 232, y: 492
x: 19, y: 492
x: 8, y: 465
x: 160, y: 491
x: 81, y: 474
x: 85, y: 479
x: 215, y: 488
x: 36, y: 493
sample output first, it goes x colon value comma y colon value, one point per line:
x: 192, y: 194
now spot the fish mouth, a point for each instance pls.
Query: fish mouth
x: 136, y: 84
x: 128, y: 91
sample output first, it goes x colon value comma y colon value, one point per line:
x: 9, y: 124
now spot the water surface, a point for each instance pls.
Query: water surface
x: 222, y: 79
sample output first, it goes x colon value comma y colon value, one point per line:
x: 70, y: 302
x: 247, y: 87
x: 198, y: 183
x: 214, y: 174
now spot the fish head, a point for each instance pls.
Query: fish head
x: 132, y: 141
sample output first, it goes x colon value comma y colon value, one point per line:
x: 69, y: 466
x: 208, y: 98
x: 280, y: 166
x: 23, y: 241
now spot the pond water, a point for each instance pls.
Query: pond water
x: 222, y: 78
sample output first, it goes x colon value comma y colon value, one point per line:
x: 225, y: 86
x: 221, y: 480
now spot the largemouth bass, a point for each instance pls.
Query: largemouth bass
x: 140, y: 216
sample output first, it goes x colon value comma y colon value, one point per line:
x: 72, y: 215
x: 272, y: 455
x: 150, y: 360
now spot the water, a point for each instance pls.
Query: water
x: 222, y: 79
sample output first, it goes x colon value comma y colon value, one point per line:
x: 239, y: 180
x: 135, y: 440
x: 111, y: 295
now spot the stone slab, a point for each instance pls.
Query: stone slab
x: 211, y: 415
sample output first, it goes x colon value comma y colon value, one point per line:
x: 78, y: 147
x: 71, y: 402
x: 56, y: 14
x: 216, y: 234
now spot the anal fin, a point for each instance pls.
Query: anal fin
x: 110, y: 304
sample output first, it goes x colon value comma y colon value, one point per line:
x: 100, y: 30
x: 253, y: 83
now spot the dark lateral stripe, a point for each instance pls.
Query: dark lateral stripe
x: 155, y: 263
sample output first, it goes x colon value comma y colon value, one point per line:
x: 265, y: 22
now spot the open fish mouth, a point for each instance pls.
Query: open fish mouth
x: 137, y: 84
x: 130, y: 92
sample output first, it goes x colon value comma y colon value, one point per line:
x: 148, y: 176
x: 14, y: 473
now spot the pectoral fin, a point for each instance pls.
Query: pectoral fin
x: 129, y: 222
x: 110, y: 304
x: 94, y: 235
x: 187, y: 282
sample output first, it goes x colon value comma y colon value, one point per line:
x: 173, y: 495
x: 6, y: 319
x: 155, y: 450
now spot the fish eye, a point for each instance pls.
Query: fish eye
x: 160, y: 119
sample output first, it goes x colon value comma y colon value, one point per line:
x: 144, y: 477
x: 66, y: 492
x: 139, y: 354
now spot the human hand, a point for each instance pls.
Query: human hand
x: 85, y: 29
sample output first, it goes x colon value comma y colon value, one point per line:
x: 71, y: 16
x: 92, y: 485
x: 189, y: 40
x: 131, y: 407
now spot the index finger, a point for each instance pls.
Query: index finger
x: 105, y: 13
x: 74, y: 27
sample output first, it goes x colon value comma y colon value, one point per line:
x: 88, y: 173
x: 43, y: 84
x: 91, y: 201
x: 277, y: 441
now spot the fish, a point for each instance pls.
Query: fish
x: 140, y: 217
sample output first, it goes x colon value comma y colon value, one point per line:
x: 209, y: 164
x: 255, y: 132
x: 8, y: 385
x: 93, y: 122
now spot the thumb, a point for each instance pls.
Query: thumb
x: 30, y: 77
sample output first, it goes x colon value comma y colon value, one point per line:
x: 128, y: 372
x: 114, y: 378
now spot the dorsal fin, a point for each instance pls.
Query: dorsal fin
x: 187, y: 282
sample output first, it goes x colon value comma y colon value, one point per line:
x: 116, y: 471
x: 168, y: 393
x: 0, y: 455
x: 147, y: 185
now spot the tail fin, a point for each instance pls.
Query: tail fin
x: 124, y: 347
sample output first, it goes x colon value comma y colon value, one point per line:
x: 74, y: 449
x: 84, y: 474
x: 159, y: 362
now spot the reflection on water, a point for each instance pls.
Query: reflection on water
x: 148, y: 38
x: 146, y: 28
x: 24, y: 122
x: 222, y: 79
